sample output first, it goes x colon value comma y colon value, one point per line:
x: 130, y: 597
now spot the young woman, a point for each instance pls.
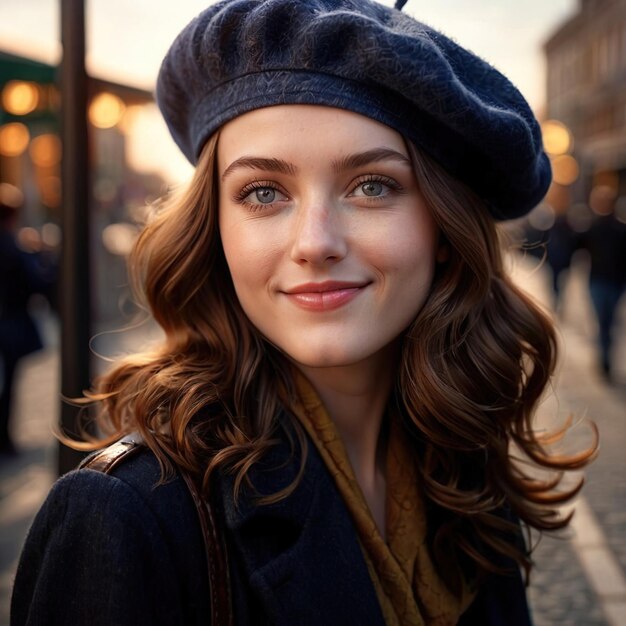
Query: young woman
x: 337, y: 428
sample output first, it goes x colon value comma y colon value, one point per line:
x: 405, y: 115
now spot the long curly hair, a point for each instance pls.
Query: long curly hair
x: 473, y: 367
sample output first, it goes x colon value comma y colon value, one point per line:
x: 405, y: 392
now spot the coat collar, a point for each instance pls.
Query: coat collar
x: 301, y: 555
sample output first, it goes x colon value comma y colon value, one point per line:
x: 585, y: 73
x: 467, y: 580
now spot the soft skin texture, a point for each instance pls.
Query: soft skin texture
x: 322, y: 227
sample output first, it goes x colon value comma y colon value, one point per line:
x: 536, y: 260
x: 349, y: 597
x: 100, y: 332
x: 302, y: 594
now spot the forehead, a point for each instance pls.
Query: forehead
x: 305, y: 131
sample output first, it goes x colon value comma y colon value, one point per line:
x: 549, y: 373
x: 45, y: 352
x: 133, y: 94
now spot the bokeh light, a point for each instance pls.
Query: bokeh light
x: 20, y: 97
x: 50, y: 191
x: 542, y: 217
x: 602, y: 199
x: 606, y: 178
x: 557, y: 138
x: 45, y: 150
x: 29, y: 239
x: 106, y: 110
x: 11, y: 196
x: 559, y: 197
x: 51, y: 235
x: 130, y: 118
x: 565, y: 169
x: 14, y: 139
x: 119, y: 238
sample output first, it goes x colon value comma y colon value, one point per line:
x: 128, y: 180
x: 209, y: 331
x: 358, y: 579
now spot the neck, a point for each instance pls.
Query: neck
x: 356, y: 397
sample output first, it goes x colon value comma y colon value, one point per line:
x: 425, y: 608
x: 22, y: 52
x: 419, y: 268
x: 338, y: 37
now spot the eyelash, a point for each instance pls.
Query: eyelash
x: 240, y: 197
x: 376, y: 178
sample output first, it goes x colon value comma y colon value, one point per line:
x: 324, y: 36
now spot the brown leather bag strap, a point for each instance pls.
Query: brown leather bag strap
x: 108, y: 459
x: 217, y: 560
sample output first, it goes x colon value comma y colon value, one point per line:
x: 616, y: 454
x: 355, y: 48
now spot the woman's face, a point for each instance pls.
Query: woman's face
x: 329, y: 242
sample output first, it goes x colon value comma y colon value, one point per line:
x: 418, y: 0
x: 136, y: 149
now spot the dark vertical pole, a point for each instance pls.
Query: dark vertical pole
x: 75, y: 300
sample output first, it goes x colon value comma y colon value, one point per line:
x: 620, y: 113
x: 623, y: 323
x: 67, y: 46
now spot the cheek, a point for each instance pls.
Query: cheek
x: 408, y: 251
x: 250, y: 255
x: 415, y: 260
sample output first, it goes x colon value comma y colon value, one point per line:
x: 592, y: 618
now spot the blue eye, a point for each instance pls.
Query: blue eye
x: 259, y: 194
x: 373, y: 188
x: 265, y: 195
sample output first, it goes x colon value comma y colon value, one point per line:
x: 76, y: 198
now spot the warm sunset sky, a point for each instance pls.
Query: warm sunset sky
x: 126, y: 39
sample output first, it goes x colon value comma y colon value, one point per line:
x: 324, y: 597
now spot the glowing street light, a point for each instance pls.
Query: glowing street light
x: 565, y: 169
x: 20, y: 97
x: 557, y: 138
x: 14, y: 139
x: 45, y: 150
x: 106, y: 110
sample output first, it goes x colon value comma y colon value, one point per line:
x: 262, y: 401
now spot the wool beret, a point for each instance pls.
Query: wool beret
x: 359, y: 55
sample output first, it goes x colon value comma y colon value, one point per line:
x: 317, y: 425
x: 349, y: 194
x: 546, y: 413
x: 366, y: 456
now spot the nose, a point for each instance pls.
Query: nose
x: 318, y: 236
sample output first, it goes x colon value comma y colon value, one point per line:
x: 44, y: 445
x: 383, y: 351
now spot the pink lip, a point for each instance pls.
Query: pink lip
x: 324, y: 296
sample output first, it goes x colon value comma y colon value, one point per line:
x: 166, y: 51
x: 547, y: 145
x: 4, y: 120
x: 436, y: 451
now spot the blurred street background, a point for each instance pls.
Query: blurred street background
x: 568, y: 57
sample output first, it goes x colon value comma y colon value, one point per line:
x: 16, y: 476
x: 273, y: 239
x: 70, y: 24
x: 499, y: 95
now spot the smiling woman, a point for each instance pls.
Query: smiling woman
x: 338, y: 427
x: 332, y: 252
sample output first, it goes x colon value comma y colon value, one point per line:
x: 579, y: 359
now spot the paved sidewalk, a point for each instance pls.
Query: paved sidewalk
x: 563, y: 592
x: 579, y: 575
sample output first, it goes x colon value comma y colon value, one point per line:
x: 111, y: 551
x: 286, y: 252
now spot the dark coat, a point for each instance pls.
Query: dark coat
x: 116, y: 550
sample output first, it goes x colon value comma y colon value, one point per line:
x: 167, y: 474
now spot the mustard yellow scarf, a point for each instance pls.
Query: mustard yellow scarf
x: 409, y: 590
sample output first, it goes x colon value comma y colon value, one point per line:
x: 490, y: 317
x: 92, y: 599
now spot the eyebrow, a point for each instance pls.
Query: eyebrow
x: 260, y: 163
x: 359, y: 159
x: 348, y: 162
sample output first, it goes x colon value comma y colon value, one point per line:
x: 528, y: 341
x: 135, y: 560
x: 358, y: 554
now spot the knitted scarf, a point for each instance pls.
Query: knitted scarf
x: 409, y: 590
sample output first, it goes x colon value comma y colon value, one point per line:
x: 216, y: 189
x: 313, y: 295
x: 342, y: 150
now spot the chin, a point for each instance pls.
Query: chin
x: 317, y: 359
x: 324, y: 362
x: 331, y: 357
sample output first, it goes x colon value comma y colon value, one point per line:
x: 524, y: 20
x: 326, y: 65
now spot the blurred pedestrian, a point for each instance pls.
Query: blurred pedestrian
x: 606, y: 243
x: 20, y: 277
x: 346, y: 362
x: 561, y: 243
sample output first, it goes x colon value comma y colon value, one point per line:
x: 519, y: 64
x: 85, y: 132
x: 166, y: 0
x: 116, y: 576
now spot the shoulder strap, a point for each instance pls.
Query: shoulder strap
x: 215, y: 546
x: 109, y: 458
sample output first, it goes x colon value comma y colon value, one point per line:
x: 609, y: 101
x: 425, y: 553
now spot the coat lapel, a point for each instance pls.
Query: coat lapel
x: 300, y: 556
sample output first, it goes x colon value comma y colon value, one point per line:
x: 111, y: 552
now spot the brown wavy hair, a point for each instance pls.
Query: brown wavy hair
x: 473, y: 367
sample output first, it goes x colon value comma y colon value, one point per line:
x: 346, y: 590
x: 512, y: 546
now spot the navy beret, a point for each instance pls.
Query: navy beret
x: 359, y: 55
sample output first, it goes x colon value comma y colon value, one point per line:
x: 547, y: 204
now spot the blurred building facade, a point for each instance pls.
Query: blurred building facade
x: 586, y: 91
x: 30, y: 159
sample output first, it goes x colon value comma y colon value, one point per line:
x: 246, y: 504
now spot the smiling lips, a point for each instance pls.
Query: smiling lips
x: 324, y: 296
